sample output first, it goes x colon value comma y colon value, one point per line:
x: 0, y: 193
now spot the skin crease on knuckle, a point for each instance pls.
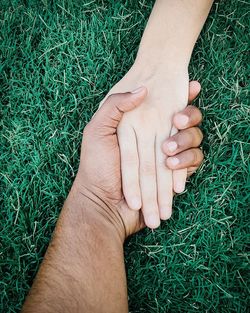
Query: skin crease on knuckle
x: 185, y: 139
x: 200, y: 134
x: 194, y: 115
x: 197, y: 157
x: 147, y: 169
x: 195, y: 135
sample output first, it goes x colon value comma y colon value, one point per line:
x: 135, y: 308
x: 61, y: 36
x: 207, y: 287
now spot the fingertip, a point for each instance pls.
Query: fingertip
x: 194, y: 90
x: 179, y: 187
x: 165, y: 213
x: 195, y: 85
x: 135, y: 203
x: 152, y: 221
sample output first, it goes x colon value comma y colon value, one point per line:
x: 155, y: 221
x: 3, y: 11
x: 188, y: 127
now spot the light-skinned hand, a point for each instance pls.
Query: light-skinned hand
x: 99, y: 175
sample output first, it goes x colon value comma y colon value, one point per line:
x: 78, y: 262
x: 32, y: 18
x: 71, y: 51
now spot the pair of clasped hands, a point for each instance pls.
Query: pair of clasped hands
x: 130, y: 159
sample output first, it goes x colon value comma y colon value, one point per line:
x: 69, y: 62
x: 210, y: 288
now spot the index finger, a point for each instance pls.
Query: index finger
x: 189, y: 117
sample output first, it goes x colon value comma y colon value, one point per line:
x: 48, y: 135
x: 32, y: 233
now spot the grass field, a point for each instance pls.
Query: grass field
x: 58, y: 60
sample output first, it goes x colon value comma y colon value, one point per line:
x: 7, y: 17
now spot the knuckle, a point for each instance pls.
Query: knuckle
x: 197, y: 135
x: 201, y: 156
x: 182, y: 138
x: 161, y: 163
x: 129, y: 157
x: 190, y: 110
x: 197, y: 157
x: 194, y: 157
x: 193, y: 137
x: 194, y: 113
x: 148, y: 168
x: 194, y: 110
x: 190, y: 136
x: 199, y: 115
x: 111, y: 97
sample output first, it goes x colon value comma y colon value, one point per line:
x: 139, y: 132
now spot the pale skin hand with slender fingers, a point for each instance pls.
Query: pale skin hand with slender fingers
x: 95, y: 221
x: 161, y: 66
x: 141, y: 134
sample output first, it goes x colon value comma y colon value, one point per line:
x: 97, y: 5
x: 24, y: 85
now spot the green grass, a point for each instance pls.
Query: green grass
x: 58, y: 60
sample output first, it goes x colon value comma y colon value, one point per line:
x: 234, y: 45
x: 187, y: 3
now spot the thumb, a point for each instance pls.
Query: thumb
x: 110, y: 113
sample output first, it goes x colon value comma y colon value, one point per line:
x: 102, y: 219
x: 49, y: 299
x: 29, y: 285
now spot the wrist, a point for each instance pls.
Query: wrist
x: 147, y: 67
x: 153, y: 76
x: 83, y: 208
x: 161, y: 61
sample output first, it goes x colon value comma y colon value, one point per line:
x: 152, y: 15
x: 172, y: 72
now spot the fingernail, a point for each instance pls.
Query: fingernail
x: 153, y: 221
x: 166, y: 213
x: 171, y: 146
x: 183, y: 119
x: 135, y: 203
x: 179, y: 187
x: 137, y: 90
x: 173, y: 161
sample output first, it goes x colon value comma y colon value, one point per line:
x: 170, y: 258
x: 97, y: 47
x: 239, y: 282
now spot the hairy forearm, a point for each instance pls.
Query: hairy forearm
x: 171, y: 32
x: 83, y: 269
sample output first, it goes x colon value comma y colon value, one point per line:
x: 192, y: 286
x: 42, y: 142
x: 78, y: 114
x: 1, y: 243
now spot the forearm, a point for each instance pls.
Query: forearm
x: 83, y: 269
x: 166, y: 46
x: 171, y: 32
